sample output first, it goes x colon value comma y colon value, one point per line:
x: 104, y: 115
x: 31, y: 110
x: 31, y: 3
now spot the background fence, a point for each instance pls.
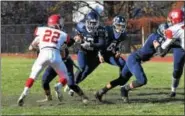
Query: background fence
x: 16, y: 38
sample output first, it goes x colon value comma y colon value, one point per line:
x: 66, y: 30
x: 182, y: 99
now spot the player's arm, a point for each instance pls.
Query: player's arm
x: 78, y: 33
x: 101, y: 39
x: 34, y: 45
x: 163, y: 49
x: 100, y: 56
x: 70, y: 41
x: 159, y: 50
x: 169, y: 39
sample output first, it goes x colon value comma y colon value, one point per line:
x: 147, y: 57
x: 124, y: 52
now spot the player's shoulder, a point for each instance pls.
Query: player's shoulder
x: 101, y: 28
x: 176, y: 27
x: 80, y: 26
x: 108, y: 27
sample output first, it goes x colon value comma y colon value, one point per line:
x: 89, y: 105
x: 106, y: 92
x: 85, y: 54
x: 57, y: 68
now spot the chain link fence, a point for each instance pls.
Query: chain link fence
x: 17, y: 38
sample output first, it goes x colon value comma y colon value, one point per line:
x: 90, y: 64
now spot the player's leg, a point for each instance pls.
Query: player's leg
x: 81, y: 59
x: 92, y: 62
x: 71, y: 83
x: 59, y: 66
x: 37, y: 67
x: 47, y: 77
x: 120, y: 62
x: 179, y: 60
x: 136, y: 69
x: 121, y: 80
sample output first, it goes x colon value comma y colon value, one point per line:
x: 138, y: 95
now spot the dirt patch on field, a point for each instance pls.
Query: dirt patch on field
x: 74, y: 57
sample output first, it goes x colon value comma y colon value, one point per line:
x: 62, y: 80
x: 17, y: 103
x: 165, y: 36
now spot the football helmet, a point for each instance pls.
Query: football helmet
x: 56, y: 21
x: 91, y: 22
x: 119, y: 24
x: 161, y: 29
x: 175, y: 16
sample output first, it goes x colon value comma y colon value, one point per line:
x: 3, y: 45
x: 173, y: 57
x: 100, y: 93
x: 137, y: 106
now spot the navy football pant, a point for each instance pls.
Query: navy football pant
x: 110, y: 59
x: 133, y: 67
x: 178, y: 64
x: 87, y: 61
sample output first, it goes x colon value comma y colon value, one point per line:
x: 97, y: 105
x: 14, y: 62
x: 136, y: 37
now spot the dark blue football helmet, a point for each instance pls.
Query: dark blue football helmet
x: 162, y: 27
x: 119, y: 24
x: 92, y: 21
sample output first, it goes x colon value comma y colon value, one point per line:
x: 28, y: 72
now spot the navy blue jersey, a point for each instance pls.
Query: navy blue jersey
x: 96, y: 39
x: 113, y: 40
x: 148, y: 50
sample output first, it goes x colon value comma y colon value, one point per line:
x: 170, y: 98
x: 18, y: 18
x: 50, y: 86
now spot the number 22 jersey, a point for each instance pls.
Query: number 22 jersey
x: 50, y: 37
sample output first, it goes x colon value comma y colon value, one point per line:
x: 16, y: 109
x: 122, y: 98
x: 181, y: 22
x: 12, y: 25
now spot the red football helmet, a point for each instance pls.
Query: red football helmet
x: 175, y: 16
x: 55, y: 21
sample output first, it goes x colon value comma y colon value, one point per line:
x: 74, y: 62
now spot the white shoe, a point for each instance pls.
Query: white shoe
x: 21, y: 100
x: 58, y: 92
x: 71, y: 92
x: 66, y: 88
x: 85, y: 99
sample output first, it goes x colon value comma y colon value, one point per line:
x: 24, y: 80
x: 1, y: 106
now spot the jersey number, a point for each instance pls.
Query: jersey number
x: 50, y: 36
x: 111, y: 47
x: 91, y: 40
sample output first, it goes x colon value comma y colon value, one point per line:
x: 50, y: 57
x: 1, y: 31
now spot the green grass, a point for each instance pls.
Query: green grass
x: 147, y: 100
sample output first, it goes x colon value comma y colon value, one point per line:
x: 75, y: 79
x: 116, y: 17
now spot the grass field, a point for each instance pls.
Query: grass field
x: 147, y: 100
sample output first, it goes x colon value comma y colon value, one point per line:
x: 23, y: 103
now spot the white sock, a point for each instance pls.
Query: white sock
x: 173, y: 89
x: 26, y: 90
x: 59, y: 85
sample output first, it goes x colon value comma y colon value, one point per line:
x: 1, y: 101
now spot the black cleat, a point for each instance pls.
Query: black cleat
x: 172, y: 94
x: 98, y: 96
x: 124, y: 94
x: 21, y: 99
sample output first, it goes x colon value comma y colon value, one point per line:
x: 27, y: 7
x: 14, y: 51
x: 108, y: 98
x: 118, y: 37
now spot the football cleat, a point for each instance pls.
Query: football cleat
x: 71, y: 92
x: 58, y: 93
x: 85, y: 99
x: 124, y: 94
x: 172, y: 94
x: 21, y: 100
x: 98, y: 96
x: 48, y: 98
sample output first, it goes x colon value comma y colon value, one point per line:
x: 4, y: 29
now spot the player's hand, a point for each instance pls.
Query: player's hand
x: 117, y: 54
x: 78, y: 39
x: 86, y: 44
x: 101, y: 59
x: 155, y: 43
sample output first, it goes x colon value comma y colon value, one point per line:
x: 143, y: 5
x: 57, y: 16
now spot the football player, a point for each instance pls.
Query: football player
x: 49, y: 39
x: 175, y: 33
x: 133, y: 66
x: 92, y: 38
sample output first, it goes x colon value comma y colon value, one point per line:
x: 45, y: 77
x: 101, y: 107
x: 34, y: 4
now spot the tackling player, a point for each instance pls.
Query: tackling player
x: 133, y: 66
